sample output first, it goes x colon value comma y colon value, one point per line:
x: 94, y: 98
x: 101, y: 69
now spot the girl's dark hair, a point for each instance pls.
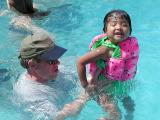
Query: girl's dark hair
x: 118, y: 13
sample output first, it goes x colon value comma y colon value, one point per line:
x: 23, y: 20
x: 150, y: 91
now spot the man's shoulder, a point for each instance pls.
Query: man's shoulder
x: 24, y: 87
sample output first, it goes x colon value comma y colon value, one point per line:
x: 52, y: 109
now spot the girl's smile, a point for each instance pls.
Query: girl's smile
x: 117, y: 29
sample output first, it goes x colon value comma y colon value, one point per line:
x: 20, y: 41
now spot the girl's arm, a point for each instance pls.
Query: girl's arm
x: 101, y: 52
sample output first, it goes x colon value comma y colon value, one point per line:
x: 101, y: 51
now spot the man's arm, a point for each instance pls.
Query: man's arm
x: 72, y: 108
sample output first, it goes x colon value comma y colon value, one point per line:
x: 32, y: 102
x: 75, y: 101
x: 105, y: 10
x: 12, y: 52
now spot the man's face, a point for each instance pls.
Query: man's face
x: 47, y: 70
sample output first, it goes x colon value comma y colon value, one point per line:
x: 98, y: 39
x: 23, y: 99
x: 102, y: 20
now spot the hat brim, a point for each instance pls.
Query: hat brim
x: 52, y: 54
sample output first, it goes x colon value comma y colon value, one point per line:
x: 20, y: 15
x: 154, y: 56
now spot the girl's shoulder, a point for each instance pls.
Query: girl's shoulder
x: 130, y: 41
x: 96, y: 38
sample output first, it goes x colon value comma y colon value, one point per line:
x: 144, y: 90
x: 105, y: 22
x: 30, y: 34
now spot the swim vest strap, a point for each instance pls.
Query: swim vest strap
x: 116, y: 53
x: 102, y: 42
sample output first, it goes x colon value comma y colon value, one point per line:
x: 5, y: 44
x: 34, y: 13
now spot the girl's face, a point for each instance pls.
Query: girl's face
x: 117, y: 29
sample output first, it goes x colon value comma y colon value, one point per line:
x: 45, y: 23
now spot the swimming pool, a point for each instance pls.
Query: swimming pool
x: 74, y: 28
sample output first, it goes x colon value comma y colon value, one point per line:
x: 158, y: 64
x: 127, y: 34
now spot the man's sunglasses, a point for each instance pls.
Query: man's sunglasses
x: 50, y: 62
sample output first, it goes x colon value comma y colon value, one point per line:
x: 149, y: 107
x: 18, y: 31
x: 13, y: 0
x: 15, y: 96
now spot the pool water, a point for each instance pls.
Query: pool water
x: 74, y: 23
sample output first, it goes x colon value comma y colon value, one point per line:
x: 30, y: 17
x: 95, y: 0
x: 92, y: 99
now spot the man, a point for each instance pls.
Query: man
x: 37, y: 90
x: 39, y: 55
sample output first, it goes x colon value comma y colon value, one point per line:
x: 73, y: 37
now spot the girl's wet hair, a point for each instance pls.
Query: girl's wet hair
x: 117, y: 13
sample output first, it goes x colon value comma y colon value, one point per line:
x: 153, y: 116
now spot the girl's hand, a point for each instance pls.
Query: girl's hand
x: 91, y: 89
x: 94, y: 78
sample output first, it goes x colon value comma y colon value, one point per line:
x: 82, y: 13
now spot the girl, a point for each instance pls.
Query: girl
x: 112, y: 60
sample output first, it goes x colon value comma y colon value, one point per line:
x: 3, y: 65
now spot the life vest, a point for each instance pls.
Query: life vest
x: 122, y: 68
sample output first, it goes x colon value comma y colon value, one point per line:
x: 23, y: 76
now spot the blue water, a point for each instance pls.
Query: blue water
x: 74, y: 23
